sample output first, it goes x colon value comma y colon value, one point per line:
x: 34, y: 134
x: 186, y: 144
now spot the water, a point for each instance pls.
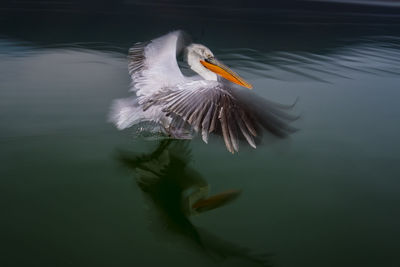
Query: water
x: 327, y: 196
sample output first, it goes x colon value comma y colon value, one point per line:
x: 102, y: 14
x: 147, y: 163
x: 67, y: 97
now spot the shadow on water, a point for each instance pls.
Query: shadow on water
x: 177, y: 192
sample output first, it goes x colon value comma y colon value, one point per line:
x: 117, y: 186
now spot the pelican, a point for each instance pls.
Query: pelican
x: 209, y: 102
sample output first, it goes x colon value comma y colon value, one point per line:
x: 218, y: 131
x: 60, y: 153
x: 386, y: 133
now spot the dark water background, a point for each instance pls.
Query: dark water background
x: 328, y: 196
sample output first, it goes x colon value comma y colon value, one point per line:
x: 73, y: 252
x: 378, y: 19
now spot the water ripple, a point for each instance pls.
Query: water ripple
x: 375, y: 55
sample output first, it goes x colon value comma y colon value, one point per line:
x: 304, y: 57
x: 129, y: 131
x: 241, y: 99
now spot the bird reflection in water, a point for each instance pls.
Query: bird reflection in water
x: 177, y: 192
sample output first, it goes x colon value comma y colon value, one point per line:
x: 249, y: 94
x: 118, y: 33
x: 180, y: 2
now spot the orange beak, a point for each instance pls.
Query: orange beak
x: 222, y: 70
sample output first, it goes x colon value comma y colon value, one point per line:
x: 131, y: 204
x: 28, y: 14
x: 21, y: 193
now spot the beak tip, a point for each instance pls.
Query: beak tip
x: 248, y: 85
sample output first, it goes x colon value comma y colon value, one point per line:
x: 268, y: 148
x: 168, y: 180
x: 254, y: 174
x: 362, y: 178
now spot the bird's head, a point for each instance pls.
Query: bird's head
x: 202, y: 60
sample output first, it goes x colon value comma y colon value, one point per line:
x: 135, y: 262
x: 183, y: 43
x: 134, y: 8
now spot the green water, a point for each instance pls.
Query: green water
x: 327, y: 196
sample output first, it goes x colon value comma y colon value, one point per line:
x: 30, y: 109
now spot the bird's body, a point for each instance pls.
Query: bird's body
x: 202, y: 103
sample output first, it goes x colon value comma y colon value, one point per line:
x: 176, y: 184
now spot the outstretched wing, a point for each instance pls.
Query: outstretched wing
x: 208, y: 106
x: 153, y: 65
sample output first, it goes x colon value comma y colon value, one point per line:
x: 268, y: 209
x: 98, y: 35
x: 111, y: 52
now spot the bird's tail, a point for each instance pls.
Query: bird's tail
x: 126, y: 112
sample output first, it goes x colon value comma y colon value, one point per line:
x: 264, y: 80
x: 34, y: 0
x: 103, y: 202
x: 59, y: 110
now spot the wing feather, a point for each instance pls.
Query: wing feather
x: 201, y: 114
x: 214, y: 118
x: 232, y: 129
x: 208, y: 106
x: 244, y: 130
x: 197, y: 116
x: 205, y: 125
x: 186, y: 105
x: 153, y: 65
x: 179, y: 105
x: 225, y: 130
x: 248, y: 123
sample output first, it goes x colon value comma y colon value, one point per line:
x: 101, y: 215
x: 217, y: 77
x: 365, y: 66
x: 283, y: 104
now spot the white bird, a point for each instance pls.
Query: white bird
x: 203, y: 103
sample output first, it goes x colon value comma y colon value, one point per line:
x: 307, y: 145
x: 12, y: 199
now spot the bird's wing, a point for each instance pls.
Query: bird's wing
x: 153, y: 65
x: 208, y: 105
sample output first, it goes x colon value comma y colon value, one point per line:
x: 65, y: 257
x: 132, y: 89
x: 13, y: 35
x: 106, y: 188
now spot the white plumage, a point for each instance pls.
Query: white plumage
x: 202, y: 103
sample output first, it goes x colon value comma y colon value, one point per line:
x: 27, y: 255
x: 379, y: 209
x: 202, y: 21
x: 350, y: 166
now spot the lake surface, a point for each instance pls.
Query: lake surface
x: 327, y: 196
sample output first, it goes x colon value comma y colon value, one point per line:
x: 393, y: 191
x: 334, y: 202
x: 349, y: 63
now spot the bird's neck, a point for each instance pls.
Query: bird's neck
x: 196, y: 66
